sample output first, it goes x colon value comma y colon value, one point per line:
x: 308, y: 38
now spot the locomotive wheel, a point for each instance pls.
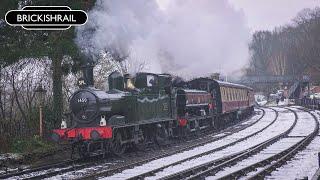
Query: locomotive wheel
x: 116, y: 146
x: 143, y: 143
x: 162, y: 136
x: 144, y: 140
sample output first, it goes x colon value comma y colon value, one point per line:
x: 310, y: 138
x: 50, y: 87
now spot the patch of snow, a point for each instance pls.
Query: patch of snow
x: 305, y: 124
x: 10, y: 156
x: 79, y: 173
x: 285, y: 102
x: 260, y: 99
x: 271, y: 150
x: 304, y: 164
x: 284, y: 121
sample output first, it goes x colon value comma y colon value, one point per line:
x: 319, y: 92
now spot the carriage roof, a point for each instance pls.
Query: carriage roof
x: 223, y: 83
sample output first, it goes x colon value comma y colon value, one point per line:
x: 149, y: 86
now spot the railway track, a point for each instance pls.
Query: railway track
x: 144, y: 171
x: 267, y: 155
x: 106, y: 171
x: 54, y: 169
x: 43, y: 168
x: 304, y: 164
x: 222, y: 166
x: 280, y: 155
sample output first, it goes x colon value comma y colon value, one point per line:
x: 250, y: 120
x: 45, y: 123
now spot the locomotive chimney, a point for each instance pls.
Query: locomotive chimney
x: 87, y: 70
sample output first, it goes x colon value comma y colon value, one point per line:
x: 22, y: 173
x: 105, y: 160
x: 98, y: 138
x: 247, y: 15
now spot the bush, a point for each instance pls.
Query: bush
x: 31, y: 145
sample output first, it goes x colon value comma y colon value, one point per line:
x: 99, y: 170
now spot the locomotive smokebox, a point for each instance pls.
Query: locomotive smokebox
x: 88, y: 74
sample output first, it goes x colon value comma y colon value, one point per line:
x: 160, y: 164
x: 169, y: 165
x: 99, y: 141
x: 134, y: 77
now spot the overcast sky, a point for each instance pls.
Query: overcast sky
x: 267, y: 14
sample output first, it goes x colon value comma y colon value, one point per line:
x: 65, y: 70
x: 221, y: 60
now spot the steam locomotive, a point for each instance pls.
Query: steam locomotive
x: 148, y: 108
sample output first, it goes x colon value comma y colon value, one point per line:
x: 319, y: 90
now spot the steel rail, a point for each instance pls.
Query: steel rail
x: 216, y: 165
x: 140, y: 176
x: 286, y: 155
x: 130, y: 165
x: 74, y: 166
x: 151, y: 172
x: 279, y: 158
x: 209, y: 170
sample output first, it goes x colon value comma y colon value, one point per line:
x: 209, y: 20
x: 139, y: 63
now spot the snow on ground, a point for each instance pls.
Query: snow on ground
x: 260, y: 99
x: 26, y: 176
x: 271, y: 150
x: 285, y: 102
x: 304, y: 127
x: 285, y: 118
x: 103, y: 167
x: 10, y: 156
x: 262, y: 103
x: 305, y: 124
x: 80, y: 173
x: 304, y: 164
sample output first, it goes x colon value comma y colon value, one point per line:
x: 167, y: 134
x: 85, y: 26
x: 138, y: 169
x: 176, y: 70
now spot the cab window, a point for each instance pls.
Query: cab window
x: 151, y: 81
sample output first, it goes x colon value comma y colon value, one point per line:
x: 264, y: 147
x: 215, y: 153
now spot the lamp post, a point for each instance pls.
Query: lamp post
x: 41, y: 92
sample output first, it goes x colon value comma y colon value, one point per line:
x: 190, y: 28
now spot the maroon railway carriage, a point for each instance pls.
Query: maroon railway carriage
x: 230, y: 101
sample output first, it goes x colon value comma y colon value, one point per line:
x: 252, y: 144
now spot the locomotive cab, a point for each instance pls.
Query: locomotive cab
x: 147, y: 82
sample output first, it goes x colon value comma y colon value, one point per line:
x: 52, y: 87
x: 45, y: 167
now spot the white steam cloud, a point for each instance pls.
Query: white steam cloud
x: 188, y: 37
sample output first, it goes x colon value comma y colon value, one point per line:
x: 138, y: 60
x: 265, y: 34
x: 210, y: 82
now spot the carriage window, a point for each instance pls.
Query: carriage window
x: 237, y: 94
x: 241, y: 94
x: 227, y: 97
x: 244, y: 95
x: 223, y: 94
x: 231, y: 94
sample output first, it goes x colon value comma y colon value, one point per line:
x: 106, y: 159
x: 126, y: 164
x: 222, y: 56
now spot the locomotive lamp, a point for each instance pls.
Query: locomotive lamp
x: 41, y: 92
x: 103, y: 121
